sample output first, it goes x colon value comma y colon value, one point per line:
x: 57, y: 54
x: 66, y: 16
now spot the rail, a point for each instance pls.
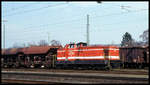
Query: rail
x: 73, y: 77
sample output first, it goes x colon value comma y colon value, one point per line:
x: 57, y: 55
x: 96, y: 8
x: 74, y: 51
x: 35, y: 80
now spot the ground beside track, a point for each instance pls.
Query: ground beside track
x: 74, y: 78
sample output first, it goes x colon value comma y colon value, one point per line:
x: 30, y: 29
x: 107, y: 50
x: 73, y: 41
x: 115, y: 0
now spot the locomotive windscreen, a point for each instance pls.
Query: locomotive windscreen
x: 83, y: 44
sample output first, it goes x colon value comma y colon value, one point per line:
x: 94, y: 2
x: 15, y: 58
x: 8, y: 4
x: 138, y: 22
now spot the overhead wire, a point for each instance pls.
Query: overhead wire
x: 80, y: 19
x: 20, y: 7
x: 52, y: 23
x: 76, y: 19
x: 115, y: 23
x: 94, y: 16
x: 101, y: 16
x: 118, y: 14
x: 61, y: 22
x: 36, y: 9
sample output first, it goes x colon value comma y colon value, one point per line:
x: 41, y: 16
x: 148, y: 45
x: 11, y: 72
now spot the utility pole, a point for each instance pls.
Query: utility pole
x: 88, y: 41
x: 4, y: 32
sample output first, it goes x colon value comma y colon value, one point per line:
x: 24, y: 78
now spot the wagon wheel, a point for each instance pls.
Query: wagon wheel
x: 108, y: 68
x: 16, y: 65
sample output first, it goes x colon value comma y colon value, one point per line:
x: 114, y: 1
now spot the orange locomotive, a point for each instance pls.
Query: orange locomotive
x: 82, y: 56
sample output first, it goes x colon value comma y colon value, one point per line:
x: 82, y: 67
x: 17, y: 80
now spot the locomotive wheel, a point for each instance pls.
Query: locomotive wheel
x: 42, y: 66
x: 32, y: 66
x: 17, y: 65
x: 108, y: 68
x: 5, y: 66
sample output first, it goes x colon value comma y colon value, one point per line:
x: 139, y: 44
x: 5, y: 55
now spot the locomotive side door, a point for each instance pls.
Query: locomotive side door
x: 106, y: 57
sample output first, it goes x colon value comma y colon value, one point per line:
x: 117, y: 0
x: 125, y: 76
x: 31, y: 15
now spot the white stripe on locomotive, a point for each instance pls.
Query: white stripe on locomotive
x: 90, y: 57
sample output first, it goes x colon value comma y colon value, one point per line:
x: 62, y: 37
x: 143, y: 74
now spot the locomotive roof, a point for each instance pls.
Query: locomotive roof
x: 29, y: 50
x: 95, y: 46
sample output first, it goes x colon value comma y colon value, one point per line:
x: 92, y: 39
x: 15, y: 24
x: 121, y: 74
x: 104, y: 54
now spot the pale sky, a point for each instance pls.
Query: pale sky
x: 29, y: 22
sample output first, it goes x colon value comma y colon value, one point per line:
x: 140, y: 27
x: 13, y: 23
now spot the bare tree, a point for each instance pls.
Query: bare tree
x: 43, y: 43
x: 31, y: 44
x: 55, y: 43
x: 23, y: 45
x: 16, y: 45
x: 145, y: 36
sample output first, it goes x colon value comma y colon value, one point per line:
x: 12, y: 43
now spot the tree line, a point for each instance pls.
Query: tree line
x: 40, y: 43
x: 127, y: 39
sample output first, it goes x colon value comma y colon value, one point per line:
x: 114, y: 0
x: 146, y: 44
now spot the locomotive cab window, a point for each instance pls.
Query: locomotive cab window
x: 71, y: 46
x: 81, y: 44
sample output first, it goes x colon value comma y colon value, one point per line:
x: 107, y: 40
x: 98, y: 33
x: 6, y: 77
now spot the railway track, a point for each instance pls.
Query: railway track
x: 17, y: 81
x: 72, y: 78
x: 29, y: 81
x: 114, y: 71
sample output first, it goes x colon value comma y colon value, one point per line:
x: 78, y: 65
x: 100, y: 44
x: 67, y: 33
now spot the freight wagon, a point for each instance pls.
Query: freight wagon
x: 34, y: 56
x: 134, y: 57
